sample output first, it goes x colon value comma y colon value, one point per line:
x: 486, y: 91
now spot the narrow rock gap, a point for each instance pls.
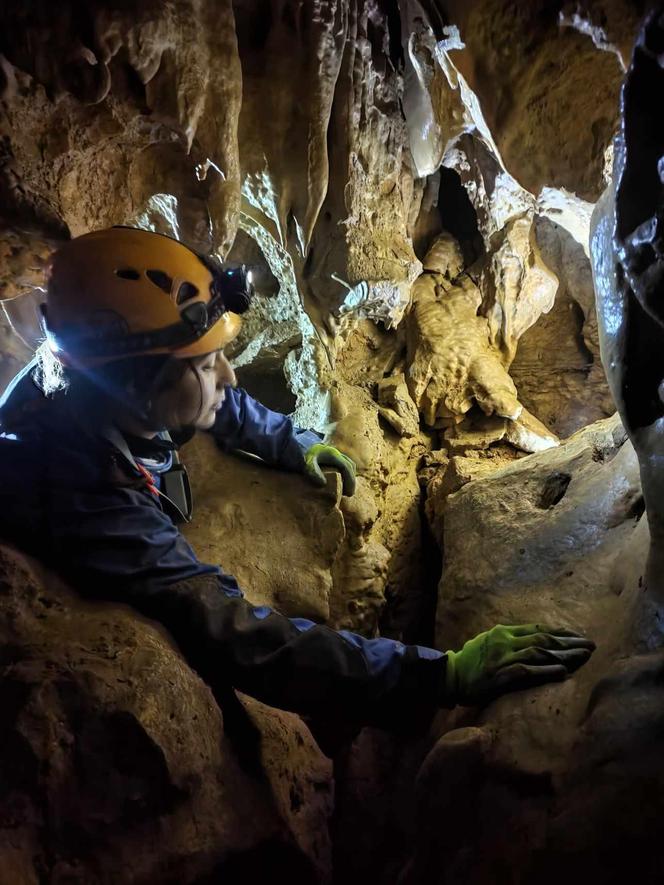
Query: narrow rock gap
x: 554, y: 490
x: 458, y: 215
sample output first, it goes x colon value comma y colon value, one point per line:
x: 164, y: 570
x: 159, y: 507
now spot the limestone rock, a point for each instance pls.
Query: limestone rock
x: 517, y: 286
x: 396, y: 406
x: 301, y: 550
x: 451, y: 362
x: 444, y: 257
x: 313, y: 127
x: 480, y: 435
x: 529, y: 434
x: 556, y: 538
x: 286, y: 105
x: 557, y: 368
x: 539, y: 522
x: 275, y: 532
x: 117, y: 766
x: 432, y: 463
x: 612, y: 27
x: 363, y: 235
x: 361, y: 568
x: 627, y: 270
x: 136, y: 92
x: 511, y: 61
x: 23, y: 260
x: 366, y: 352
x: 389, y: 465
x: 451, y: 474
x: 576, y: 814
x: 483, y: 431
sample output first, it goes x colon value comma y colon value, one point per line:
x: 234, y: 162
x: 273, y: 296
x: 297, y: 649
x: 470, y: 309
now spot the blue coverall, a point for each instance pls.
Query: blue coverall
x: 71, y: 498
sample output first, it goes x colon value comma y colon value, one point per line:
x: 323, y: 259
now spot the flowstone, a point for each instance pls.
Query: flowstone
x: 568, y: 537
x: 451, y: 363
x: 457, y: 358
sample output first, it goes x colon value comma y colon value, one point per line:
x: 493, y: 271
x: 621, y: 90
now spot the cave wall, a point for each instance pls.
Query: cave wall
x: 412, y: 184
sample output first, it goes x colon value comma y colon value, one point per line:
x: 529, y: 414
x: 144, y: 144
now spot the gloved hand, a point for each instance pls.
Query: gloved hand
x: 508, y: 659
x: 321, y: 454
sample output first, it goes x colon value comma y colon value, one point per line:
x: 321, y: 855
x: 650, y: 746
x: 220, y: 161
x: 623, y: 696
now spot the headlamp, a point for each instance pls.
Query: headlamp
x: 234, y: 285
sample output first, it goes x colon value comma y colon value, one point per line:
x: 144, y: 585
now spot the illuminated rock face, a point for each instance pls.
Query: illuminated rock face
x: 556, y: 538
x: 557, y: 368
x: 627, y: 265
x: 412, y: 184
x: 568, y: 537
x: 257, y: 523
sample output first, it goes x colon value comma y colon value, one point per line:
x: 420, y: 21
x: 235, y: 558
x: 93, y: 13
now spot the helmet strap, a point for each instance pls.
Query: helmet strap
x: 197, y: 374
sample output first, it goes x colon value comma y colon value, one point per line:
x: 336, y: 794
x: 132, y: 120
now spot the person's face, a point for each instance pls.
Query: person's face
x: 195, y: 399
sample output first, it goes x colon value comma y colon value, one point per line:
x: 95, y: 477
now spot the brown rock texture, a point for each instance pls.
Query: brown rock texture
x: 274, y: 531
x: 117, y: 764
x: 535, y: 80
x: 557, y: 367
x: 452, y: 365
x: 327, y: 145
x: 128, y: 101
x: 558, y: 536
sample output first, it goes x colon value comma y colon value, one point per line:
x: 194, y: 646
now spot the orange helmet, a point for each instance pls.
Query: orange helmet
x: 125, y: 292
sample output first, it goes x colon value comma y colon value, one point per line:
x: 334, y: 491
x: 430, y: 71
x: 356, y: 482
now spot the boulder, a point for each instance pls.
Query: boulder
x: 274, y: 531
x: 551, y: 783
x: 118, y: 766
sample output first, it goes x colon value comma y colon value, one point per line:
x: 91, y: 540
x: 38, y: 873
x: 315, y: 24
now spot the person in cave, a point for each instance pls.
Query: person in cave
x: 90, y: 482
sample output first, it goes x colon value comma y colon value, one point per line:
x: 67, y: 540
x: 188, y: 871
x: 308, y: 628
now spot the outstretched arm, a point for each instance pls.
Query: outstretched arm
x: 244, y: 424
x: 121, y: 546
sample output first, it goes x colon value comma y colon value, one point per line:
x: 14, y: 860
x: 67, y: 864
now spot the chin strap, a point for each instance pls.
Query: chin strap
x: 175, y: 495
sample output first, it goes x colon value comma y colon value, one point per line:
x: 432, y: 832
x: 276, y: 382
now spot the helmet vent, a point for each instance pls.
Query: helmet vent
x: 196, y: 315
x: 161, y: 279
x: 128, y: 273
x: 186, y: 292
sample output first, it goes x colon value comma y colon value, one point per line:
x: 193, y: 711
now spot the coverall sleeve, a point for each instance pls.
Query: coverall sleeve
x: 243, y: 423
x: 122, y: 546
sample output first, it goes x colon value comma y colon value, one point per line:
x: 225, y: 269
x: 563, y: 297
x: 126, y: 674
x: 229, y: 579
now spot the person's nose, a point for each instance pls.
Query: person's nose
x: 225, y: 373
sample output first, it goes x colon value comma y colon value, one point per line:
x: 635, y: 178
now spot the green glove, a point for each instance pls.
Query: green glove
x: 321, y: 455
x: 508, y: 659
